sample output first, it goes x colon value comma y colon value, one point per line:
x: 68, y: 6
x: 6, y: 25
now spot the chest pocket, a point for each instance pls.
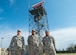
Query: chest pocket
x: 48, y: 42
x: 34, y: 40
x: 18, y: 41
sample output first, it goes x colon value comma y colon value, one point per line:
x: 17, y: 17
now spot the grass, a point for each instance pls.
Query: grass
x: 66, y: 54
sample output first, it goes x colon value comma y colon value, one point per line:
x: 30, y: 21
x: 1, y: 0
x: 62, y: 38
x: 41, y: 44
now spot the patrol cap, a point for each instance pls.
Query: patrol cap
x: 46, y: 31
x: 18, y: 30
x: 33, y: 30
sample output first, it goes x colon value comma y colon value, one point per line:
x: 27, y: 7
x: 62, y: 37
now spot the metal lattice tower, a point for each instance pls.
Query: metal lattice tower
x: 38, y: 19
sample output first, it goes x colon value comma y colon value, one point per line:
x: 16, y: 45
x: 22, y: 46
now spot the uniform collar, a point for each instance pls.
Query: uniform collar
x: 19, y: 36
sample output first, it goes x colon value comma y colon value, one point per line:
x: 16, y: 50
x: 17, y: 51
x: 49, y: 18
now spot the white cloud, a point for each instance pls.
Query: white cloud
x: 1, y: 10
x: 7, y: 33
x: 64, y: 37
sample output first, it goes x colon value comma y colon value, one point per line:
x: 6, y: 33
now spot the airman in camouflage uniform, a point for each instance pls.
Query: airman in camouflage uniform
x: 17, y: 45
x: 48, y: 44
x: 33, y: 44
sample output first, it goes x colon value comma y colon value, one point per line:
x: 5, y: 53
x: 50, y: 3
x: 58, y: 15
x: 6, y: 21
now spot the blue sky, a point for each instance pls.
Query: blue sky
x: 61, y: 13
x: 61, y: 17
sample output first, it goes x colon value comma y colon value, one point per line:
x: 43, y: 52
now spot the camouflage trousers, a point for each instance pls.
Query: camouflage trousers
x: 51, y: 52
x: 33, y: 51
x: 18, y: 52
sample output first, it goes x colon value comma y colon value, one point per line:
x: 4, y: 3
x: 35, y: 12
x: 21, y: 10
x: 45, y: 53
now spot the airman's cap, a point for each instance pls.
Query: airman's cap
x: 33, y: 30
x: 46, y: 31
x: 18, y: 30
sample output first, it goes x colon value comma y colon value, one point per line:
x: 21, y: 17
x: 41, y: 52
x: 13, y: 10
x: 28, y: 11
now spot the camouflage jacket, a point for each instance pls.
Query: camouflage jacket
x: 48, y: 43
x: 14, y: 45
x: 33, y: 41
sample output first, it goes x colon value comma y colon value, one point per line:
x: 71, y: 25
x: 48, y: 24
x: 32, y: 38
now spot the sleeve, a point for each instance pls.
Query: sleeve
x: 43, y: 45
x: 53, y: 41
x: 43, y: 41
x: 37, y: 41
x: 30, y: 41
x: 11, y: 44
x: 23, y: 43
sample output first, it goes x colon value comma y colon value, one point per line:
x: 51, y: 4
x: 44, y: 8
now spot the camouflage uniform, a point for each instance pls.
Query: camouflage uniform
x: 49, y: 45
x: 17, y: 45
x: 33, y: 45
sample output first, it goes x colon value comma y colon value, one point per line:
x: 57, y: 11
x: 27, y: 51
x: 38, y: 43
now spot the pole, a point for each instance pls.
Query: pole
x: 1, y: 44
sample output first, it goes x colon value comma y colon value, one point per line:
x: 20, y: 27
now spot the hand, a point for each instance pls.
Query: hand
x: 9, y: 52
x: 22, y: 52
